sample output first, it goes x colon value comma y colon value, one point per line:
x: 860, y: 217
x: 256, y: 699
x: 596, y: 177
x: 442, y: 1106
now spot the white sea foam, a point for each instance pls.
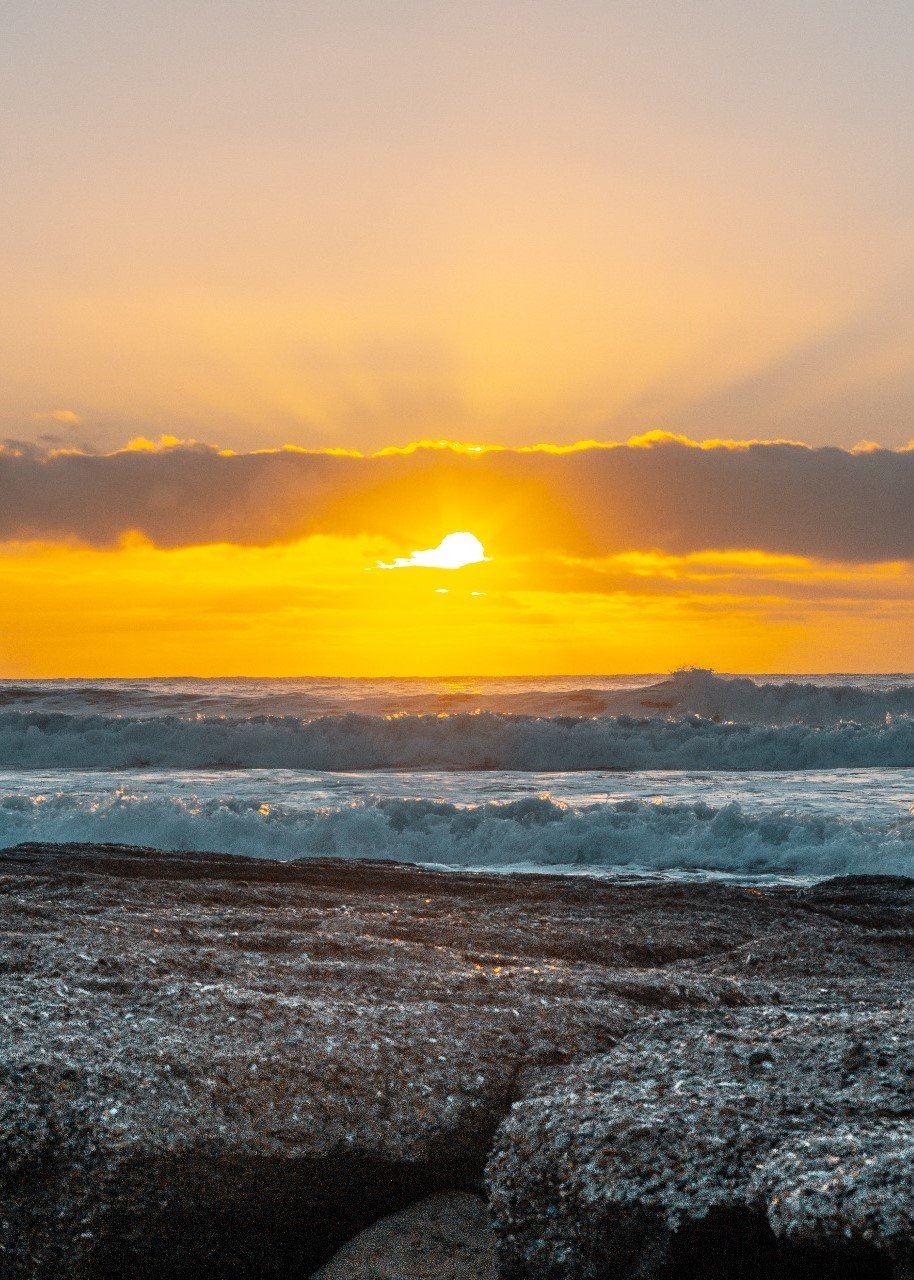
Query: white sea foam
x: 536, y: 831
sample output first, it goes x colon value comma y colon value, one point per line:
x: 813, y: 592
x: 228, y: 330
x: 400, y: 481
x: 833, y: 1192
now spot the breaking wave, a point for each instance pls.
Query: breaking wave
x: 534, y: 832
x: 814, y: 702
x: 487, y: 740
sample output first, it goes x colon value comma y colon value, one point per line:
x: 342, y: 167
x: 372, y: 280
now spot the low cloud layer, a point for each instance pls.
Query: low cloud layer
x: 661, y: 494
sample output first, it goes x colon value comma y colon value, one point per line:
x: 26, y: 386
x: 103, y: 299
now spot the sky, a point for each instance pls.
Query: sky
x: 249, y: 252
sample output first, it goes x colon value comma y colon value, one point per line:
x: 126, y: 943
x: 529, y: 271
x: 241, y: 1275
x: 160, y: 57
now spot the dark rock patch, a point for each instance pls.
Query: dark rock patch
x: 443, y: 1237
x: 740, y: 1245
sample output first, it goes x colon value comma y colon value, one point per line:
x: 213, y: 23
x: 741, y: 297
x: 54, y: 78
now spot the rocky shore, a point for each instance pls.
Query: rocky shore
x: 224, y: 1067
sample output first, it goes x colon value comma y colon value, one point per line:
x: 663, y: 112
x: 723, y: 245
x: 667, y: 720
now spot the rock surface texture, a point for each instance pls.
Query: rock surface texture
x: 223, y: 1067
x: 790, y: 1127
x: 766, y: 1140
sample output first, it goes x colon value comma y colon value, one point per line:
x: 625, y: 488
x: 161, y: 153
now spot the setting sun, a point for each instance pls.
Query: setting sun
x: 453, y: 552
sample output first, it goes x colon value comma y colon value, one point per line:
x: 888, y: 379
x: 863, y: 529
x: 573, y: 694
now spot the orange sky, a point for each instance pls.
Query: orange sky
x: 311, y: 608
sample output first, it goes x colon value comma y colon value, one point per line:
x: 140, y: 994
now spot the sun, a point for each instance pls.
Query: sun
x: 453, y: 552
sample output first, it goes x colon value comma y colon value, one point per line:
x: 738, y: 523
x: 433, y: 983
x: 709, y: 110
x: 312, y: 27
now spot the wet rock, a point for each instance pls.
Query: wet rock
x: 444, y: 1237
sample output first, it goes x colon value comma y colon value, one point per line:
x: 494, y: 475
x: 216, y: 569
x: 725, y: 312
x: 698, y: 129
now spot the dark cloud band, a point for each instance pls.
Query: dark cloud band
x: 670, y: 496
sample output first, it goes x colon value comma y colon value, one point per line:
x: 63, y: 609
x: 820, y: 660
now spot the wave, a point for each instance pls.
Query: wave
x: 534, y: 832
x: 477, y: 741
x: 816, y: 703
x: 819, y: 702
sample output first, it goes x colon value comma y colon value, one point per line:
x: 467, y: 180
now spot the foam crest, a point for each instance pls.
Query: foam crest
x: 817, y: 703
x: 534, y: 832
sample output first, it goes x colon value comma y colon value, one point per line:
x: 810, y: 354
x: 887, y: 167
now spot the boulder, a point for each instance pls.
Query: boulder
x: 444, y: 1237
x: 743, y: 1143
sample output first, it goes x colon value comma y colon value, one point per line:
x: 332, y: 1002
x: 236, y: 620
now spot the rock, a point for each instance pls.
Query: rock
x: 217, y: 1067
x: 675, y: 1144
x: 444, y: 1237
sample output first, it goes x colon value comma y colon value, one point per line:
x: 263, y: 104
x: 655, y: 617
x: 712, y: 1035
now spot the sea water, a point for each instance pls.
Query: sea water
x: 694, y: 774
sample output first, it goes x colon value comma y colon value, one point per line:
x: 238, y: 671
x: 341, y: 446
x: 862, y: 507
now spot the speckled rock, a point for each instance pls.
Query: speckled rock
x: 791, y: 1128
x: 443, y: 1237
x: 216, y: 1067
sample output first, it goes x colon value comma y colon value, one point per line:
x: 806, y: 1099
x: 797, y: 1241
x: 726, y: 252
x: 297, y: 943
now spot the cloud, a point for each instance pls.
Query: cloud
x: 659, y: 493
x: 66, y: 417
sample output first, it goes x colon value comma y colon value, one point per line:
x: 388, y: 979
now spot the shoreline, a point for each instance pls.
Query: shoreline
x: 222, y: 1066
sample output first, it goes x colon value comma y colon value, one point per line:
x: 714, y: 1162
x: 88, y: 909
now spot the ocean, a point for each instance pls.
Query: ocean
x: 696, y: 774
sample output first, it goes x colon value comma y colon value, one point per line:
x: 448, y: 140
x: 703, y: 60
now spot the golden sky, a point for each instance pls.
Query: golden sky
x: 309, y: 234
x: 311, y: 608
